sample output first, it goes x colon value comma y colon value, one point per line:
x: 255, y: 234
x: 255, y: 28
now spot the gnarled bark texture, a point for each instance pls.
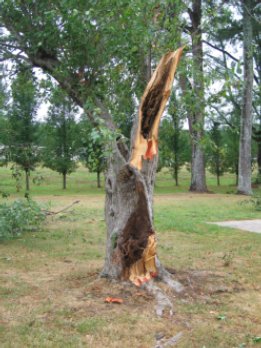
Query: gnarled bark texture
x: 130, y: 251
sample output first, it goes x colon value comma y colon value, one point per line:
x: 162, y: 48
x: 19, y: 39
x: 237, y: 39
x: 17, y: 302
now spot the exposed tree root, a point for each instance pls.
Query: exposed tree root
x: 170, y: 342
x: 163, y: 303
x: 167, y: 278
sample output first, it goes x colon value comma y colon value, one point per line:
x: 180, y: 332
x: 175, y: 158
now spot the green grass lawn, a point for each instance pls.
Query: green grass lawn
x: 82, y: 182
x: 51, y: 294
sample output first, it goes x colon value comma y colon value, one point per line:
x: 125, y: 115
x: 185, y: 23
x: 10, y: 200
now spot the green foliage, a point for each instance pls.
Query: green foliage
x: 60, y: 135
x: 38, y: 179
x: 19, y: 142
x: 216, y: 151
x: 17, y: 176
x: 18, y: 217
x: 96, y: 143
x: 175, y: 149
x: 254, y: 201
x: 4, y: 194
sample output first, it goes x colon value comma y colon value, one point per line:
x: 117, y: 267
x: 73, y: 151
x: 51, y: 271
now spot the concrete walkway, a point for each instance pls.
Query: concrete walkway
x: 245, y: 225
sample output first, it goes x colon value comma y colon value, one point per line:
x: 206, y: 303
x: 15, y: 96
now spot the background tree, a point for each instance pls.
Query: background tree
x: 257, y: 139
x: 92, y: 151
x: 234, y: 33
x: 231, y: 143
x: 174, y: 143
x: 244, y: 171
x: 216, y: 153
x: 60, y: 136
x: 3, y: 124
x: 22, y: 124
x: 197, y: 111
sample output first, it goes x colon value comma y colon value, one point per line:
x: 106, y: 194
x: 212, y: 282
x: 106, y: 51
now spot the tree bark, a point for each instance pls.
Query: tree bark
x: 64, y: 181
x: 257, y: 138
x: 27, y: 179
x: 244, y: 169
x: 176, y: 146
x: 98, y: 179
x: 196, y: 115
x: 218, y: 179
x: 176, y: 172
x: 259, y: 163
x: 218, y: 171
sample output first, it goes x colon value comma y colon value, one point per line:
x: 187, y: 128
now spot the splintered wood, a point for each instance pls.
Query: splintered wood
x: 145, y: 268
x: 153, y: 102
x: 145, y: 146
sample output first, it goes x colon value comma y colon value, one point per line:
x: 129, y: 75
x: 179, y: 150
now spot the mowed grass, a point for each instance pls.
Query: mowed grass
x: 82, y: 182
x: 51, y: 294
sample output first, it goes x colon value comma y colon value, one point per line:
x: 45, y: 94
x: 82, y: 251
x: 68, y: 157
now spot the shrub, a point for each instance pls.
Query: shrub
x: 255, y: 201
x: 18, y: 217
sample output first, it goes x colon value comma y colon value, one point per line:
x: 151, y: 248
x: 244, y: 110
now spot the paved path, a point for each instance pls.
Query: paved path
x: 245, y: 225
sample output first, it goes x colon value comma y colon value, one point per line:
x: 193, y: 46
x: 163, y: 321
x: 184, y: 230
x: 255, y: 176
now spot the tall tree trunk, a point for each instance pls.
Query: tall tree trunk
x: 98, y: 179
x: 64, y: 180
x: 218, y: 169
x: 218, y: 179
x: 27, y: 179
x: 176, y: 144
x: 198, y: 176
x: 196, y: 117
x: 176, y: 172
x: 235, y: 167
x: 244, y: 169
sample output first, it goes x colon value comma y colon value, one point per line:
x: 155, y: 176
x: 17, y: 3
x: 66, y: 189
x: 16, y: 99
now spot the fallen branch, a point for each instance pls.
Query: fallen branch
x: 50, y: 213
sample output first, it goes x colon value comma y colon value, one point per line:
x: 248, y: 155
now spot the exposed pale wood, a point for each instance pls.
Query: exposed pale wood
x: 141, y: 145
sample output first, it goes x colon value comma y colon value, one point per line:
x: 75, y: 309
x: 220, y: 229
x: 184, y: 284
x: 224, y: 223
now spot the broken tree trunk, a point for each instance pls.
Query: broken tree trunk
x: 131, y: 241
